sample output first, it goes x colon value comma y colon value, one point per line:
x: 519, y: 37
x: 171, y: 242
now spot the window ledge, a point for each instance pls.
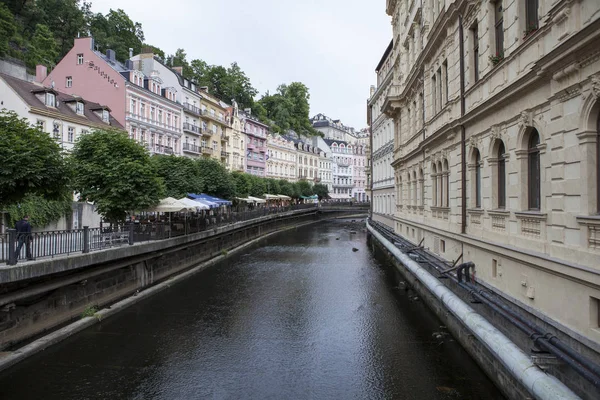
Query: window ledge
x: 531, y: 215
x: 499, y: 211
x: 589, y: 219
x: 475, y: 210
x: 440, y: 208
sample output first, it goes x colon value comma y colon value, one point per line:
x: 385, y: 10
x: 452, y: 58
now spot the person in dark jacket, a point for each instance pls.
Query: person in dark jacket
x: 24, y: 236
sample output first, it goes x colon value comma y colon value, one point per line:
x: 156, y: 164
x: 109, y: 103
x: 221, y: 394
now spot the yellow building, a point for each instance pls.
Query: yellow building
x: 213, y: 127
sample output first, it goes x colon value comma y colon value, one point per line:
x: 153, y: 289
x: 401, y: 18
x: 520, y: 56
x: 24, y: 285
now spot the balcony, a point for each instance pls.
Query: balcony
x: 191, y: 108
x: 207, y: 150
x: 214, y: 117
x: 159, y: 148
x: 206, y: 132
x: 224, y: 154
x: 343, y: 185
x: 191, y: 148
x: 187, y: 127
x: 224, y: 137
x: 343, y: 163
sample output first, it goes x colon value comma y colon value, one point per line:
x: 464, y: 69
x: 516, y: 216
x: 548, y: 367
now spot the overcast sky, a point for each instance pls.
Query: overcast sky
x: 332, y: 46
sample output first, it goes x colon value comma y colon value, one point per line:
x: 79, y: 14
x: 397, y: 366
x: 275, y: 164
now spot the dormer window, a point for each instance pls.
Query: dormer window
x: 50, y: 100
x: 105, y: 116
x: 79, y: 108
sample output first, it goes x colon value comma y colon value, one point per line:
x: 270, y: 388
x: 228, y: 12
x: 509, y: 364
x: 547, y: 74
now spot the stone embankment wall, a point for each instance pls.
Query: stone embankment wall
x: 38, y: 296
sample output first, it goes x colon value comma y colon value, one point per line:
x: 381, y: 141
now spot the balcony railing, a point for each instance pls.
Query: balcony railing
x: 191, y: 128
x: 206, y: 132
x: 224, y: 154
x: 152, y: 121
x: 343, y: 185
x: 214, y: 117
x: 207, y: 150
x: 191, y: 148
x: 224, y: 137
x: 192, y: 108
x: 159, y: 148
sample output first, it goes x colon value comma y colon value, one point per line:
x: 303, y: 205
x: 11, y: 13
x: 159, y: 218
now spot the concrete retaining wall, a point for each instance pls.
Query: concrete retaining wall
x: 40, y: 296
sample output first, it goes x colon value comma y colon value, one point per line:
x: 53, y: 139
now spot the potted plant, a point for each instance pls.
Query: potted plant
x: 495, y: 59
x: 530, y: 29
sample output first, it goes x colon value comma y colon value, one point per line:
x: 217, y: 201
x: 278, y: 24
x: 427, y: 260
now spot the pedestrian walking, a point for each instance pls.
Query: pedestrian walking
x: 23, y: 229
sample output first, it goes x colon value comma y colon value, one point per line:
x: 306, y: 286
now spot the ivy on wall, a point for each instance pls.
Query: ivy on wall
x: 41, y: 212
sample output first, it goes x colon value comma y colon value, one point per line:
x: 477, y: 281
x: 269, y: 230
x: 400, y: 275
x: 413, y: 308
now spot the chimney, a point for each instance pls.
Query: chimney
x: 179, y: 70
x: 129, y: 65
x: 248, y: 111
x: 41, y: 72
x: 372, y: 90
x: 110, y: 54
x: 204, y: 88
x: 130, y: 52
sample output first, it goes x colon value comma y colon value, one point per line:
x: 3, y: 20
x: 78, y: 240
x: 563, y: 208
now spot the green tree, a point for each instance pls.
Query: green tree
x: 289, y: 109
x: 42, y: 48
x: 216, y: 178
x: 118, y: 32
x: 179, y: 174
x: 32, y: 162
x: 286, y: 188
x: 305, y: 188
x: 64, y: 18
x: 148, y: 48
x: 179, y: 59
x: 41, y: 211
x: 243, y: 183
x: 259, y: 186
x: 321, y: 190
x: 7, y: 28
x: 273, y: 186
x: 116, y: 173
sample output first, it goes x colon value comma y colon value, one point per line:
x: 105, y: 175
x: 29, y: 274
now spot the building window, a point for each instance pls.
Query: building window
x: 531, y: 16
x: 56, y: 131
x: 50, y: 100
x: 105, y: 116
x: 501, y: 176
x: 477, y: 157
x: 534, y: 170
x: 499, y: 28
x: 41, y: 125
x: 70, y: 134
x: 434, y: 185
x: 69, y: 82
x: 446, y: 179
x: 79, y: 58
x: 433, y: 95
x: 445, y: 77
x: 475, y: 34
x: 79, y: 108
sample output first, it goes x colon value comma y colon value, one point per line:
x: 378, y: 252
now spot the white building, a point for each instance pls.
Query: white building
x: 281, y: 158
x: 383, y: 202
x: 63, y: 116
x: 496, y: 148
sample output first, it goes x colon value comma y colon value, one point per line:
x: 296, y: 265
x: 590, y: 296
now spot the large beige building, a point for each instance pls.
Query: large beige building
x: 281, y: 158
x: 496, y: 151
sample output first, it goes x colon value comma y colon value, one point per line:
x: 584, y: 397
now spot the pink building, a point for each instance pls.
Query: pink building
x: 256, y: 143
x: 148, y: 111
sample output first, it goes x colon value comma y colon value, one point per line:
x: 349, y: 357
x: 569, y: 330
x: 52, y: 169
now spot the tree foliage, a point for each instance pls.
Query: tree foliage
x: 116, y: 173
x: 289, y: 109
x: 32, y: 162
x: 217, y: 180
x: 179, y: 174
x: 42, y: 48
x: 41, y: 211
x: 321, y: 190
x: 7, y: 28
x: 118, y: 32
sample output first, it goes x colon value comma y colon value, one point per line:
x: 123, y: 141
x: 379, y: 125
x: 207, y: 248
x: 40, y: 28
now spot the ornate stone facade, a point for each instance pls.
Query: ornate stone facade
x: 496, y: 115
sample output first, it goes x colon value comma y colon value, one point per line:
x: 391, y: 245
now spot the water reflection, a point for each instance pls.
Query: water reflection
x: 301, y: 316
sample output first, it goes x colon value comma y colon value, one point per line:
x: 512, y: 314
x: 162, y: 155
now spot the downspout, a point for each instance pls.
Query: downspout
x: 463, y: 144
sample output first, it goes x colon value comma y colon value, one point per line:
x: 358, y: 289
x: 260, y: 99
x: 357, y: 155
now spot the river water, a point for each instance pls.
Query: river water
x: 299, y: 316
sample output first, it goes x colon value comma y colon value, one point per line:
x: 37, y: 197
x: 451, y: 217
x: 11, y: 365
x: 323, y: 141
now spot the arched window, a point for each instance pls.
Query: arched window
x: 501, y: 176
x: 440, y: 185
x: 446, y: 170
x: 422, y: 191
x: 415, y: 202
x: 408, y: 189
x: 433, y: 185
x: 477, y: 159
x: 533, y: 166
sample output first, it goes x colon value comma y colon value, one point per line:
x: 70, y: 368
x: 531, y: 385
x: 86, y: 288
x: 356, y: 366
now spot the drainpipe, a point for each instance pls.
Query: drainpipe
x: 463, y: 143
x: 541, y: 385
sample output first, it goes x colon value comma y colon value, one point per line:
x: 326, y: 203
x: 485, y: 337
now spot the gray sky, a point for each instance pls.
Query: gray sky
x: 332, y: 46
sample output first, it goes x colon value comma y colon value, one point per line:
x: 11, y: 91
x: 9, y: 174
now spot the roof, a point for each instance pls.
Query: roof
x: 26, y: 90
x: 386, y: 53
x: 329, y: 142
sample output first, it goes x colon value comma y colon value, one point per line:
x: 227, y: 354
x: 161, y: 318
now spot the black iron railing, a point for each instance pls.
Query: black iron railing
x: 63, y: 242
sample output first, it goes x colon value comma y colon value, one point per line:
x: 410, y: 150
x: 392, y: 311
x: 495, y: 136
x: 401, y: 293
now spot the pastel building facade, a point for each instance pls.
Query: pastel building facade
x: 281, y: 158
x: 256, y: 143
x: 141, y: 103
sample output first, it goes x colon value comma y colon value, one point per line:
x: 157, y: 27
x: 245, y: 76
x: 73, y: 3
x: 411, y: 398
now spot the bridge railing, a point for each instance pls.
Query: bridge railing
x: 35, y: 245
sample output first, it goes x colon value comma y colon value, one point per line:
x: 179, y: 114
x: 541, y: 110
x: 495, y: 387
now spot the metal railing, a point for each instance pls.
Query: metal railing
x: 191, y: 148
x: 50, y: 244
x: 191, y: 127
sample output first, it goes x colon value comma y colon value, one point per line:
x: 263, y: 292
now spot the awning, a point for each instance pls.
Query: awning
x: 257, y: 200
x: 203, y: 196
x: 210, y: 204
x: 244, y: 199
x: 193, y: 203
x: 313, y: 197
x: 171, y: 205
x: 271, y: 196
x: 284, y: 197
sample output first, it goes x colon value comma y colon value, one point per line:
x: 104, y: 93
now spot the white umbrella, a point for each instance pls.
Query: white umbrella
x: 196, y: 205
x: 256, y: 199
x: 171, y: 205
